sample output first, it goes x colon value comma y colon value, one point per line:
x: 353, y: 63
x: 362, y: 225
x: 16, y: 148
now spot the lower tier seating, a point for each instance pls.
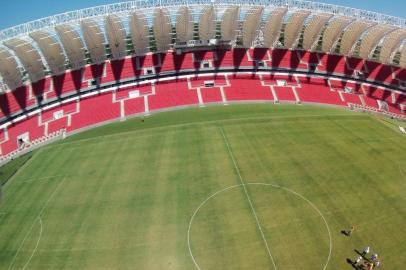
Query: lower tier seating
x: 96, y: 108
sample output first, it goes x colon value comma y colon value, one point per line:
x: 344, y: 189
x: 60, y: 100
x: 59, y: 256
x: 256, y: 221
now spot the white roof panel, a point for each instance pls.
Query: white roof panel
x: 52, y: 51
x: 29, y: 57
x: 116, y: 36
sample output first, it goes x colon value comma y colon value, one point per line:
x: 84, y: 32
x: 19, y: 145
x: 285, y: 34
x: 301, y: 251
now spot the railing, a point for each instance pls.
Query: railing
x: 365, y: 108
x: 54, y: 136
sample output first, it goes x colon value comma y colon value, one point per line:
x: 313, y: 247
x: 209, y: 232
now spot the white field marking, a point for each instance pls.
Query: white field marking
x: 81, y: 249
x: 193, y: 216
x: 200, y: 123
x: 315, y: 208
x: 11, y: 266
x: 401, y: 171
x: 34, y: 179
x: 248, y: 198
x: 36, y: 246
x: 263, y: 184
x: 23, y: 167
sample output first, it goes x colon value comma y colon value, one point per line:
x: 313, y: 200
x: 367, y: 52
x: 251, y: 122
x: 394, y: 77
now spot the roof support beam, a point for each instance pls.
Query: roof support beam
x: 294, y: 27
x: 251, y: 25
x: 162, y: 29
x: 402, y: 61
x: 313, y: 30
x: 52, y: 51
x: 273, y: 27
x: 229, y: 23
x: 372, y: 38
x: 29, y: 57
x: 207, y: 23
x: 116, y: 36
x: 73, y: 45
x: 94, y: 39
x: 333, y: 32
x: 9, y: 70
x: 390, y: 44
x: 184, y: 24
x: 351, y: 36
x: 139, y: 32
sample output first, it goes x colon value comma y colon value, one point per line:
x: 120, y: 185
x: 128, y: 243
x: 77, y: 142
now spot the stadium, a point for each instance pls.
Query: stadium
x: 202, y: 134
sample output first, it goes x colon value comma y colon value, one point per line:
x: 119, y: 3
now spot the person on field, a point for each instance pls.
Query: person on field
x: 350, y: 231
x: 358, y: 262
x: 377, y: 264
x: 365, y: 251
x: 374, y: 257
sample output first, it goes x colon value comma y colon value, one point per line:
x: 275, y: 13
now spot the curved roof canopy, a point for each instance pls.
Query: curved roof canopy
x: 352, y: 34
x: 162, y: 29
x: 94, y: 39
x: 333, y: 32
x: 371, y: 39
x: 139, y: 32
x: 294, y: 26
x: 184, y: 25
x: 71, y: 40
x: 52, y: 51
x: 9, y: 69
x: 29, y: 57
x: 116, y: 36
x: 314, y: 29
x: 390, y: 44
x: 207, y: 23
x: 73, y: 45
x: 402, y: 61
x: 273, y: 26
x: 250, y: 26
x: 229, y: 23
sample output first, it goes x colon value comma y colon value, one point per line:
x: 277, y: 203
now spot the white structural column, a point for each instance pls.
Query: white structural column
x: 52, y: 51
x: 184, y: 24
x: 352, y: 34
x: 313, y: 30
x: 139, y: 32
x: 229, y: 23
x: 162, y: 29
x: 73, y: 45
x: 402, y: 61
x: 372, y: 38
x: 116, y: 36
x: 390, y: 45
x: 294, y: 27
x: 251, y: 25
x: 9, y: 70
x: 207, y: 23
x: 29, y: 57
x: 273, y: 27
x: 333, y: 32
x: 94, y: 39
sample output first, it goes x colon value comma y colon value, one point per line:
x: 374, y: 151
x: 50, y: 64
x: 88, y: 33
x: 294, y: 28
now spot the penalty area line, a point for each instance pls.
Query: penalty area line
x: 11, y: 266
x: 248, y: 197
x: 36, y: 246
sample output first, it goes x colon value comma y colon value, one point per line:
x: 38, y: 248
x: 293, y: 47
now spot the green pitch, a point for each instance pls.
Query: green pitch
x: 230, y: 187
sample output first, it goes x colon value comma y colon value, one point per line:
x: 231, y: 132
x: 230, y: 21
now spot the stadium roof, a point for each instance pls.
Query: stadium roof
x: 51, y: 45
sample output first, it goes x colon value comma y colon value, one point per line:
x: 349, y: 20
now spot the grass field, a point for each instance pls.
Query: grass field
x: 235, y: 187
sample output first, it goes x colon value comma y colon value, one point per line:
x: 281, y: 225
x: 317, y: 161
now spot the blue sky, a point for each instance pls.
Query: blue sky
x: 15, y: 12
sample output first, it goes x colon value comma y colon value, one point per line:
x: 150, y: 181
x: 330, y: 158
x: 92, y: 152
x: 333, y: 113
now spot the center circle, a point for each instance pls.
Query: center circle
x: 237, y: 205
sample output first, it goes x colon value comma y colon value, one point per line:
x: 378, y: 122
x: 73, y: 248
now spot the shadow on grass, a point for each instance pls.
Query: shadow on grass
x: 353, y: 263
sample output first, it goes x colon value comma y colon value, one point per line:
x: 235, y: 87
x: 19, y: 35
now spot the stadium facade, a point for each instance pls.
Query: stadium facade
x: 71, y: 71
